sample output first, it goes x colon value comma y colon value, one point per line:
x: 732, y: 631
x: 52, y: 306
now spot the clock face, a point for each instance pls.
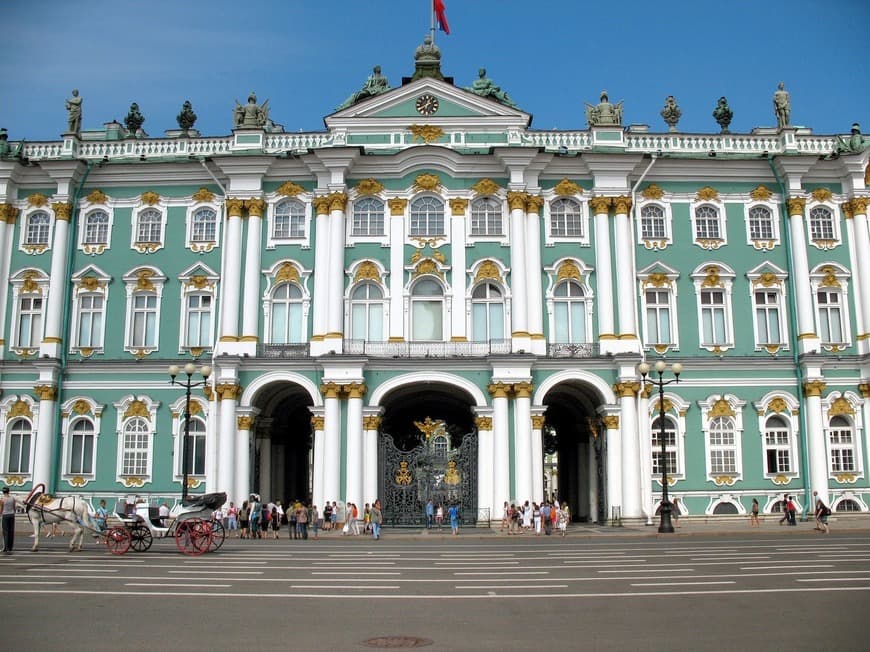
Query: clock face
x: 427, y: 104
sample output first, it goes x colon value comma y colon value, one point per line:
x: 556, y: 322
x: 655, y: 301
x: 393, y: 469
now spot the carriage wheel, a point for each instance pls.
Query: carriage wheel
x: 193, y: 536
x: 118, y: 540
x: 218, y: 534
x: 140, y: 538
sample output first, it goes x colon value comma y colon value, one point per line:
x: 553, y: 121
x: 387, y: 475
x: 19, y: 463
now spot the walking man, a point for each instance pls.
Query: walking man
x: 8, y: 510
x: 430, y: 514
x: 377, y: 518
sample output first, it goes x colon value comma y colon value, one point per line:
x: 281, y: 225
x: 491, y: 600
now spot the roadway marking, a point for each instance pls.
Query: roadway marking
x: 836, y: 579
x: 29, y: 582
x: 184, y: 585
x: 187, y: 571
x: 531, y: 586
x: 782, y: 567
x: 651, y: 570
x: 354, y: 572
x: 75, y: 570
x: 680, y: 583
x: 511, y: 572
x: 338, y: 586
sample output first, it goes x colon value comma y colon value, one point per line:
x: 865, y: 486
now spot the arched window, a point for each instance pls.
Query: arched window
x: 841, y: 441
x: 848, y: 505
x: 427, y: 311
x: 135, y: 447
x: 670, y: 446
x: 289, y: 220
x: 204, y: 225
x: 652, y: 223
x: 777, y: 446
x: 367, y: 313
x: 195, y: 448
x: 150, y: 226
x: 286, y: 314
x: 822, y: 224
x: 760, y: 223
x: 427, y: 216
x: 36, y: 231
x: 486, y: 217
x: 487, y: 313
x: 81, y: 448
x: 723, y: 445
x: 368, y: 217
x: 20, y: 434
x: 566, y: 218
x: 570, y: 313
x: 707, y: 226
x: 96, y: 228
x: 440, y: 448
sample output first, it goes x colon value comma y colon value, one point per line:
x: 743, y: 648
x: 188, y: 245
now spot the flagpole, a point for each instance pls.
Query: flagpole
x: 432, y: 20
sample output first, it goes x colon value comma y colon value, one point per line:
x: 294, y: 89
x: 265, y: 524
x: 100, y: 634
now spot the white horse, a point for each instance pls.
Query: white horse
x: 43, y: 508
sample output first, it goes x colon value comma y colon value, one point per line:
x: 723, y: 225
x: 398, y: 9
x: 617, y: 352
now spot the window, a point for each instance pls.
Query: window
x: 830, y: 316
x: 289, y: 220
x: 427, y: 217
x: 440, y: 448
x: 707, y: 226
x: 204, y: 225
x: 777, y: 446
x: 714, y: 318
x: 570, y: 313
x: 841, y: 441
x: 566, y: 218
x: 89, y: 328
x: 36, y: 230
x: 822, y: 224
x: 367, y: 313
x: 723, y: 458
x: 29, y: 322
x: 768, y: 317
x: 96, y: 229
x: 81, y: 448
x: 368, y: 217
x: 761, y: 224
x: 198, y: 333
x: 143, y: 332
x: 286, y: 314
x: 135, y: 447
x: 652, y: 223
x: 658, y: 317
x: 670, y: 446
x: 486, y: 217
x: 427, y: 311
x: 487, y: 313
x: 19, y: 436
x: 195, y: 448
x: 149, y: 227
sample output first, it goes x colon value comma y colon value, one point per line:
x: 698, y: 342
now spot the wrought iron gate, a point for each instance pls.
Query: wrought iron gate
x: 434, y: 469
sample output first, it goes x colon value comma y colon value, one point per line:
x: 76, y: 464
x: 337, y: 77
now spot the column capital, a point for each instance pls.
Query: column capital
x: 534, y: 203
x: 600, y: 205
x: 235, y: 207
x: 538, y: 421
x: 355, y: 390
x: 458, y: 207
x: 337, y: 201
x: 846, y: 207
x: 627, y: 389
x: 483, y: 423
x: 372, y: 422
x: 256, y: 206
x: 46, y: 392
x: 8, y: 213
x: 318, y: 422
x: 330, y: 390
x: 208, y: 391
x: 321, y: 204
x: 229, y: 391
x: 864, y: 388
x: 516, y: 200
x: 62, y: 211
x: 796, y: 205
x: 610, y: 421
x: 244, y: 422
x: 498, y: 390
x: 523, y: 390
x: 397, y: 206
x: 646, y: 390
x: 859, y: 205
x: 814, y: 388
x: 622, y: 205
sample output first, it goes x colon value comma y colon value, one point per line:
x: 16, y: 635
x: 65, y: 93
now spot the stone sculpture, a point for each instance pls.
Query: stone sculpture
x: 671, y: 113
x: 375, y: 85
x: 782, y: 106
x: 604, y: 113
x: 251, y: 114
x: 485, y: 87
x: 187, y: 118
x: 134, y: 120
x: 723, y: 114
x: 74, y: 113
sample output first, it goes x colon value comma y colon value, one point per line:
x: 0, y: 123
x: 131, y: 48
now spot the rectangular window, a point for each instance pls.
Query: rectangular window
x: 135, y: 458
x: 723, y: 454
x: 658, y: 317
x: 830, y: 317
x: 842, y: 450
x: 19, y: 452
x: 760, y: 224
x: 713, y: 318
x: 196, y: 454
x: 778, y: 451
x: 289, y: 226
x: 30, y: 322
x: 670, y: 451
x: 198, y: 321
x: 82, y: 453
x: 144, y: 321
x: 767, y: 317
x: 90, y: 326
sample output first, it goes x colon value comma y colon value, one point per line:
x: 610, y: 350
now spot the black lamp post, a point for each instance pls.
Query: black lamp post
x: 189, y: 370
x: 666, y: 526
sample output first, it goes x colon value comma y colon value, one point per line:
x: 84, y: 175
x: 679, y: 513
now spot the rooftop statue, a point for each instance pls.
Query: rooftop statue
x: 251, y: 114
x: 134, y: 120
x: 604, y: 113
x: 723, y: 114
x: 782, y: 106
x: 427, y: 51
x: 375, y: 85
x: 856, y: 143
x: 671, y: 113
x: 187, y: 118
x: 74, y: 113
x: 485, y: 87
x: 427, y: 60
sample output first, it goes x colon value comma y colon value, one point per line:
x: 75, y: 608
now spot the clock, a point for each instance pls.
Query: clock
x: 427, y: 104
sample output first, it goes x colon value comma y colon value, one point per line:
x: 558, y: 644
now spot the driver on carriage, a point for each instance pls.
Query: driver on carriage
x: 100, y: 516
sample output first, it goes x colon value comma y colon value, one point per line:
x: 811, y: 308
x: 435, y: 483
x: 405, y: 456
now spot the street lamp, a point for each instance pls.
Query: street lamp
x: 189, y: 371
x: 660, y: 367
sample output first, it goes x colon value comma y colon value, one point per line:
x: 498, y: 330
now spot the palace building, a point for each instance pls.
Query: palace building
x: 431, y: 299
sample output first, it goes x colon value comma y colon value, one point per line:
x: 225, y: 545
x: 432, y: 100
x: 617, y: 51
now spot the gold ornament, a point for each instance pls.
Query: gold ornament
x: 426, y: 133
x: 150, y: 198
x: 566, y: 187
x: 289, y: 189
x: 369, y: 187
x: 652, y: 191
x: 97, y: 197
x: 203, y: 195
x: 707, y: 193
x: 761, y: 193
x: 428, y: 182
x: 486, y: 187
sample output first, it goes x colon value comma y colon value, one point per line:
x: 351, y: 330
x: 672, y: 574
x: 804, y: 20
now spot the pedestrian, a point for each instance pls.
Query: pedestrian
x: 377, y: 518
x: 233, y: 520
x: 353, y: 514
x: 545, y: 518
x: 292, y: 519
x: 822, y: 512
x: 564, y: 518
x: 100, y: 516
x: 314, y: 515
x: 302, y: 518
x: 439, y: 515
x: 333, y: 519
x: 505, y: 517
x: 255, y: 511
x: 675, y: 512
x: 327, y: 516
x: 244, y: 521
x: 430, y: 514
x: 753, y: 514
x: 7, y: 509
x: 514, y: 525
x: 536, y: 518
x: 367, y: 519
x: 527, y: 516
x: 453, y: 513
x: 792, y: 512
x: 276, y: 522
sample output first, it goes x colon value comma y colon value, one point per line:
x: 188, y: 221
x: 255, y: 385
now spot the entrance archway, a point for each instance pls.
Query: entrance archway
x: 427, y: 450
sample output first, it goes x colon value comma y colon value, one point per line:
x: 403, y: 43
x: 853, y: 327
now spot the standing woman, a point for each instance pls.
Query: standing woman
x: 244, y: 521
x: 439, y: 515
x: 454, y: 518
x: 377, y: 519
x: 8, y: 510
x: 675, y: 512
x: 315, y: 520
x: 276, y: 522
x: 536, y: 517
x: 753, y: 515
x: 256, y: 511
x: 564, y: 518
x: 327, y: 516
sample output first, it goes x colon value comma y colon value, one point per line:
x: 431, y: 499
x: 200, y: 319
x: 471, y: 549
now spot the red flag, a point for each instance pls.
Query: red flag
x: 440, y: 16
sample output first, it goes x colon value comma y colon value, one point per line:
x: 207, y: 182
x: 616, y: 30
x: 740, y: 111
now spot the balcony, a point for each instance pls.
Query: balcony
x: 284, y: 351
x: 427, y: 349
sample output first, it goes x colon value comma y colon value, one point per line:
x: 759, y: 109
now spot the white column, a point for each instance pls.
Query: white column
x: 864, y: 389
x: 253, y: 249
x: 335, y: 284
x: 817, y: 450
x: 331, y: 442
x: 397, y: 269
x: 483, y: 421
x: 538, y: 454
x: 625, y: 287
x: 317, y: 424
x: 265, y: 467
x: 535, y: 293
x: 242, y: 440
x: 8, y: 215
x: 57, y: 282
x: 807, y: 338
x: 603, y: 268
x: 500, y: 447
x: 859, y: 234
x: 321, y: 265
x: 226, y: 435
x: 213, y: 468
x: 459, y: 277
x: 592, y: 469
x: 231, y: 290
x: 643, y: 430
x: 630, y: 470
x: 371, y: 423
x: 354, y: 459
x: 44, y: 446
x: 523, y: 442
x: 519, y: 296
x: 613, y: 462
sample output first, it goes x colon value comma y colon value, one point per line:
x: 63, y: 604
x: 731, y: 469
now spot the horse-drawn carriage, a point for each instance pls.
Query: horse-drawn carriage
x: 190, y: 525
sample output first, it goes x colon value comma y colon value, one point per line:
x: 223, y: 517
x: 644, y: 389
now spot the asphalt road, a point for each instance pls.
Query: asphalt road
x: 701, y: 593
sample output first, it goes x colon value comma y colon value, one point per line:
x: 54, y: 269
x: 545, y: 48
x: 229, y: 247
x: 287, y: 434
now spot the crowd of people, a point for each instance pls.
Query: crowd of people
x: 547, y: 517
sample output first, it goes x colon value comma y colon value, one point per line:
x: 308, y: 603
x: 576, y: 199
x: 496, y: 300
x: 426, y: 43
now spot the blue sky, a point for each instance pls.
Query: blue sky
x: 307, y: 56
